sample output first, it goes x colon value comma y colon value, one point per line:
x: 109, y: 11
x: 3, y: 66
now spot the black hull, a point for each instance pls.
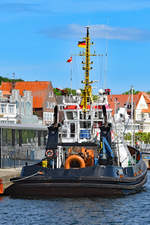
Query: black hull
x: 73, y: 189
x: 79, y: 183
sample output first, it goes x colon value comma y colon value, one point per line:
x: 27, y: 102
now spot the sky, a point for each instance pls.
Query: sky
x: 38, y: 36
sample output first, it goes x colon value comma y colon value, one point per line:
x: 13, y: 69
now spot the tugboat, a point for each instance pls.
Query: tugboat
x: 82, y: 159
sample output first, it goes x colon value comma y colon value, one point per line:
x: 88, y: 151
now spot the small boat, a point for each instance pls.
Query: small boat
x: 84, y: 155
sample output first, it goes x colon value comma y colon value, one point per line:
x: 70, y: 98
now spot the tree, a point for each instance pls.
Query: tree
x: 127, y: 137
x: 5, y: 79
x: 129, y: 92
x: 66, y: 91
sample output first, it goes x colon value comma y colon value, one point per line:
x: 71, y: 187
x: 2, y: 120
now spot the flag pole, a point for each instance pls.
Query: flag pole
x: 70, y: 61
x: 71, y: 77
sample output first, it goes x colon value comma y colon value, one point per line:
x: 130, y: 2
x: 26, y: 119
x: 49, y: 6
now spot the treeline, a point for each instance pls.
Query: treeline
x: 5, y: 79
x: 139, y: 136
x: 68, y: 91
x: 134, y: 92
x: 65, y: 91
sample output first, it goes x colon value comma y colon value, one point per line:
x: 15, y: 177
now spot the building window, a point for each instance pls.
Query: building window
x: 17, y: 104
x: 50, y: 94
x: 52, y: 105
x: 47, y: 105
x: 3, y: 108
x: 48, y: 116
x: 11, y: 109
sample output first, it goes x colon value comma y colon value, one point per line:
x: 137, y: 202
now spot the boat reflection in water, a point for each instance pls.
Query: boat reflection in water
x: 81, y: 158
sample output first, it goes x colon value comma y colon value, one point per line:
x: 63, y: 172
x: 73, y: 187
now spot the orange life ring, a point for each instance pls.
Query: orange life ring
x: 49, y: 153
x: 72, y: 158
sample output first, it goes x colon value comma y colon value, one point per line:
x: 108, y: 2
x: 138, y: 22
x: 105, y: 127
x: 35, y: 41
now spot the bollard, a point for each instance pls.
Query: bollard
x: 1, y: 187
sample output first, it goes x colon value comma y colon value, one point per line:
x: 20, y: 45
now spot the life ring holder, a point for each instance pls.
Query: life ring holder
x: 49, y: 153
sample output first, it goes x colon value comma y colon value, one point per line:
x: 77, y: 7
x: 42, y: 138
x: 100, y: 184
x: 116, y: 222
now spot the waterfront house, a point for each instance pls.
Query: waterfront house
x: 43, y: 97
x: 142, y: 111
x: 8, y: 111
x: 15, y: 108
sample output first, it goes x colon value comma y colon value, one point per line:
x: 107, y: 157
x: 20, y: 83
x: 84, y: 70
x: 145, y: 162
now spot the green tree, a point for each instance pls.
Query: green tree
x: 67, y: 91
x: 5, y: 79
x: 129, y: 92
x: 127, y: 137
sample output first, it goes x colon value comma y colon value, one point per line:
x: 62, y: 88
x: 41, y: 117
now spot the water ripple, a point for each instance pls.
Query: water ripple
x: 129, y: 210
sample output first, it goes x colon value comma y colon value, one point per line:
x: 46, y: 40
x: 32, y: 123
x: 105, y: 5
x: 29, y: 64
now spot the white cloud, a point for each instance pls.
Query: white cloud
x: 73, y: 6
x: 86, y: 6
x: 18, y: 7
x: 98, y: 31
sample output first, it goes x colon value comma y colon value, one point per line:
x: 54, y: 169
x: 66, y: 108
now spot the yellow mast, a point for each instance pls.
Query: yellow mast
x: 87, y: 91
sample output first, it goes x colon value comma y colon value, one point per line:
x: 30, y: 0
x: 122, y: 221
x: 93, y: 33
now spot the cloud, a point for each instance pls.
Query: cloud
x: 99, y: 31
x: 86, y: 6
x: 19, y: 7
x: 72, y: 6
x: 128, y: 34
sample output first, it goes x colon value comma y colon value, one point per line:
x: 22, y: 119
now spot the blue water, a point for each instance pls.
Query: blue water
x: 132, y: 209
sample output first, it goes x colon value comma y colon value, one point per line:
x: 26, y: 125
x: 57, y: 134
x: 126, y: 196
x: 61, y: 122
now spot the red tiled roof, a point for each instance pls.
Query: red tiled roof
x: 6, y: 93
x: 120, y: 101
x: 38, y: 88
x: 117, y: 101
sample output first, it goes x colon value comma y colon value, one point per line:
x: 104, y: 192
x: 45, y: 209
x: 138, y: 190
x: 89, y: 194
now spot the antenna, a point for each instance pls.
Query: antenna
x: 71, y: 77
x: 13, y: 75
x: 13, y: 81
x: 106, y: 59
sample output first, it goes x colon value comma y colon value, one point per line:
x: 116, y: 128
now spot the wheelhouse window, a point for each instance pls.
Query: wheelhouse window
x: 69, y: 115
x: 85, y: 124
x: 72, y: 129
x: 100, y: 115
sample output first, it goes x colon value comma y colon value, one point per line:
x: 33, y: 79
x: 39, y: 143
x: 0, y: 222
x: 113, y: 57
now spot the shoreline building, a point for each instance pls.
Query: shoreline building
x: 40, y: 92
x: 121, y: 107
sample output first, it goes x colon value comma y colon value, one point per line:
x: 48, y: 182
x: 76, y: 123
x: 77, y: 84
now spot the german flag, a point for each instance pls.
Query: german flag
x: 81, y: 44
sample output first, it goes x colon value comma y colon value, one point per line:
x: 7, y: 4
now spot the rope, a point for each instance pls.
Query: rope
x: 27, y: 177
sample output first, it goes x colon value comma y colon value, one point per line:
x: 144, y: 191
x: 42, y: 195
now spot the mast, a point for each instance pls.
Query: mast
x: 87, y: 91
